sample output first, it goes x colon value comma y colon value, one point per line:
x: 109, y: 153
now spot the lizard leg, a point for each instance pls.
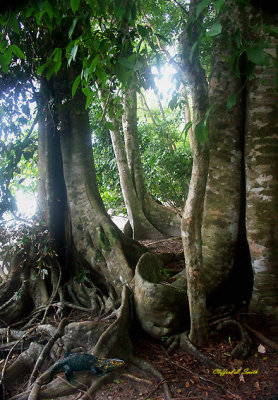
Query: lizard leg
x: 68, y: 372
x: 96, y: 371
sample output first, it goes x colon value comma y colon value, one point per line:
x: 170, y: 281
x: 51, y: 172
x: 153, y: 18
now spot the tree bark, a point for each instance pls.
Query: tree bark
x: 224, y: 187
x: 165, y: 220
x: 193, y: 211
x: 95, y: 236
x: 148, y: 219
x: 141, y: 227
x: 261, y: 149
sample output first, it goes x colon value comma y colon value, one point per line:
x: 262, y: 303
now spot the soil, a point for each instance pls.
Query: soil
x: 253, y: 378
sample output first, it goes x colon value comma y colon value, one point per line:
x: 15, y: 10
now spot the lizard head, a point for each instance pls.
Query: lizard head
x: 109, y: 364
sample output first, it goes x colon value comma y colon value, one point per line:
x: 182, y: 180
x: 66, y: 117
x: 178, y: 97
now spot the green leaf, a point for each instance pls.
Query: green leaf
x: 271, y: 29
x: 162, y: 37
x: 41, y: 68
x: 201, y: 132
x: 13, y: 23
x: 193, y: 49
x: 257, y: 55
x: 57, y: 66
x: 173, y: 102
x: 187, y: 126
x: 75, y: 85
x: 119, y: 71
x: 48, y: 8
x: 201, y: 6
x: 38, y: 17
x: 231, y: 101
x: 73, y: 52
x: 143, y: 31
x: 215, y: 30
x: 8, y: 55
x: 89, y: 99
x: 109, y: 126
x: 208, y: 112
x: 72, y: 27
x: 101, y: 75
x: 93, y: 65
x: 17, y: 51
x: 217, y: 4
x: 74, y: 5
x: 126, y: 63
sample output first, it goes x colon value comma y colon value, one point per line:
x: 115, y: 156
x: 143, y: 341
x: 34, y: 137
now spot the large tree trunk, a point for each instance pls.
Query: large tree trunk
x: 224, y: 187
x: 261, y: 179
x: 110, y: 256
x: 51, y: 186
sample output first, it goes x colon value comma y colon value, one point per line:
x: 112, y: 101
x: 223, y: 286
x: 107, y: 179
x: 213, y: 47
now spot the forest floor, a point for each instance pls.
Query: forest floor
x: 253, y: 378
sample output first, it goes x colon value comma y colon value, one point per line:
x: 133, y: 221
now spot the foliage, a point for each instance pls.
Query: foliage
x: 106, y: 170
x: 167, y: 160
x: 28, y: 240
x: 17, y: 147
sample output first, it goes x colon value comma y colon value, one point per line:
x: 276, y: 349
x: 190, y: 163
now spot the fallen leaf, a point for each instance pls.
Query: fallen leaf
x: 261, y: 349
x: 187, y: 384
x: 236, y: 364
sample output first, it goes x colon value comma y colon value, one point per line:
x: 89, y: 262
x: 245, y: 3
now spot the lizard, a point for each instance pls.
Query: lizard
x: 84, y: 362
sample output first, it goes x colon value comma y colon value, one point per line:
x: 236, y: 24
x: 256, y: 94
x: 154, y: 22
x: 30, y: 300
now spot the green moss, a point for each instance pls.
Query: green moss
x: 103, y: 240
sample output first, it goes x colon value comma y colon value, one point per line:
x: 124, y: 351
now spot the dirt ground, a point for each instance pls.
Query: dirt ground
x: 253, y: 378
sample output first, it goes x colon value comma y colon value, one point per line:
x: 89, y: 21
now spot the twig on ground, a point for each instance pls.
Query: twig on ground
x: 154, y: 390
x: 204, y: 379
x: 136, y: 378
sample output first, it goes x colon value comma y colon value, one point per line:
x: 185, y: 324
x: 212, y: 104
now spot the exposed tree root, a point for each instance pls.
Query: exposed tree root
x: 104, y: 341
x: 47, y: 349
x: 182, y: 341
x: 97, y: 385
x: 244, y: 348
x: 149, y: 368
x: 262, y: 338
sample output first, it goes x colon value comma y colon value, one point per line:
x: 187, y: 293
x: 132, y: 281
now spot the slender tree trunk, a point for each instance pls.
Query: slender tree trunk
x: 148, y: 219
x: 193, y: 211
x: 165, y: 220
x: 141, y: 227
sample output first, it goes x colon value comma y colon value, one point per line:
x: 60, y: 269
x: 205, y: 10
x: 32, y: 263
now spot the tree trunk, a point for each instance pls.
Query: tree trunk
x: 148, y: 219
x: 141, y: 227
x: 224, y: 187
x: 193, y: 211
x: 165, y: 220
x: 95, y: 237
x: 51, y: 186
x: 261, y: 179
